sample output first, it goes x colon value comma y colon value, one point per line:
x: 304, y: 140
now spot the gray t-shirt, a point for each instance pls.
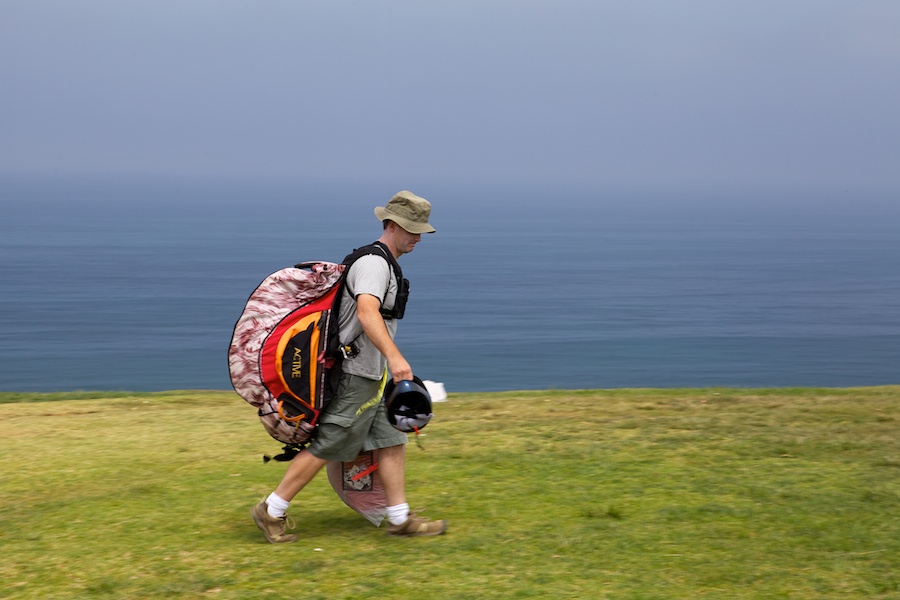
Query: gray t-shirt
x: 371, y: 275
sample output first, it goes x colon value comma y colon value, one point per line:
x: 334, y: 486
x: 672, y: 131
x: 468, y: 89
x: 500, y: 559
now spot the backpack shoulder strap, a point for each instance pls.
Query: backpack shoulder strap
x: 380, y: 249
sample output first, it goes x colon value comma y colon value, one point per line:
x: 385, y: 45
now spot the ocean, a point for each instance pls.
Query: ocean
x: 132, y: 285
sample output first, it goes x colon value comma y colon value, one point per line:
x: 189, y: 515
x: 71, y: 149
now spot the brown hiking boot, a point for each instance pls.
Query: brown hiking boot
x: 271, y: 527
x: 416, y: 526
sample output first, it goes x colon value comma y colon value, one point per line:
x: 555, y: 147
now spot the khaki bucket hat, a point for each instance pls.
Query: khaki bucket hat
x: 408, y: 211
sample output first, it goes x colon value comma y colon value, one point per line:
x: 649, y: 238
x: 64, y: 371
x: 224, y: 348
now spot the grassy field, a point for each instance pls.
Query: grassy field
x: 597, y: 494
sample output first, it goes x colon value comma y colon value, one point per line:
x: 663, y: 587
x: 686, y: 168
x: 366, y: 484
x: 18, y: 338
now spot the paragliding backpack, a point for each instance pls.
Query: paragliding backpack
x: 285, y: 353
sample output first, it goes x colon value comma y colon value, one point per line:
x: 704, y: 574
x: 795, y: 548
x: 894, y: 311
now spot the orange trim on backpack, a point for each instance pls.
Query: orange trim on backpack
x: 270, y: 357
x: 298, y: 418
x: 301, y: 325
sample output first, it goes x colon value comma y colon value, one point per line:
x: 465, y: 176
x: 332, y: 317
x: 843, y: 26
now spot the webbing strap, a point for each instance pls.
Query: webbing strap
x: 379, y: 248
x: 296, y: 419
x: 368, y: 470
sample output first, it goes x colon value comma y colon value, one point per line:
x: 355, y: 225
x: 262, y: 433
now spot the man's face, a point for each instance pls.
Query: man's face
x: 406, y: 241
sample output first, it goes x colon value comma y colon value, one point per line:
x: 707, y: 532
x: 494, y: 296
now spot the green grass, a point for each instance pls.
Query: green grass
x: 638, y: 494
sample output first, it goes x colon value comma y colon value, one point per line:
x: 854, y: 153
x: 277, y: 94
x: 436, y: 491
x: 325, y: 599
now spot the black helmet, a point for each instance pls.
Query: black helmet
x: 407, y: 400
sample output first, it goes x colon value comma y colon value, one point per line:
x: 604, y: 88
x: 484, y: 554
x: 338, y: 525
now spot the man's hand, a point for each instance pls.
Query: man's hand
x: 400, y: 369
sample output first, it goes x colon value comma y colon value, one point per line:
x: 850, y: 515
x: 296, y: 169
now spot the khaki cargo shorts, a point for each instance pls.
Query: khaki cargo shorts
x: 355, y: 420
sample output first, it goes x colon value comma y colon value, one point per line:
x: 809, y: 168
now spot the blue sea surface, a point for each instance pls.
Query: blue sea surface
x: 138, y: 287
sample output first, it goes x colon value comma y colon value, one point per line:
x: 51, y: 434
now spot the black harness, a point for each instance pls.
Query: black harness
x: 380, y: 249
x: 350, y: 350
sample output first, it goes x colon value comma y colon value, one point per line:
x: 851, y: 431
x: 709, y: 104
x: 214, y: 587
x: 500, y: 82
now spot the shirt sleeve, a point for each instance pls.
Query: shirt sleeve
x: 371, y: 275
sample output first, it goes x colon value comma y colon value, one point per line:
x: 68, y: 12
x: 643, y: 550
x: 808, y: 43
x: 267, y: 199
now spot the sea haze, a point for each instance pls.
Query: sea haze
x: 135, y: 286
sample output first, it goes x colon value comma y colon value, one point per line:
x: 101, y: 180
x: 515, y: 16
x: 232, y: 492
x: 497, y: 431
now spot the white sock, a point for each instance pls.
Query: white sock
x: 277, y: 505
x: 398, y: 515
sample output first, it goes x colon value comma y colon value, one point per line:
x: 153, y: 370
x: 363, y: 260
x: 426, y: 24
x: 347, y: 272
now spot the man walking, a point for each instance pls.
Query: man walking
x: 355, y: 419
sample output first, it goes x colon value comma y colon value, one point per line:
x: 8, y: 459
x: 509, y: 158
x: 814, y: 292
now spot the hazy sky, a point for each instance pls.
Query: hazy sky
x: 802, y: 93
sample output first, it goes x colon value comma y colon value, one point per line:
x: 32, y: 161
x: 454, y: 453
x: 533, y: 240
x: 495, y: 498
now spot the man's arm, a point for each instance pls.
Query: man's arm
x: 368, y: 309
